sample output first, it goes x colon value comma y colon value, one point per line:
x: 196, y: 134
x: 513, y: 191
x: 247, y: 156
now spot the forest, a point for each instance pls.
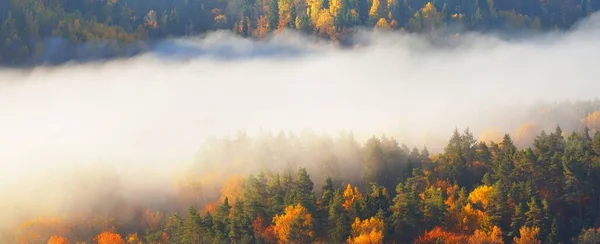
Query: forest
x: 37, y: 32
x: 377, y: 192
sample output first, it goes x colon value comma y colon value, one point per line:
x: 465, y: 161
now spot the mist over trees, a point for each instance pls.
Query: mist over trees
x: 36, y: 31
x: 378, y: 191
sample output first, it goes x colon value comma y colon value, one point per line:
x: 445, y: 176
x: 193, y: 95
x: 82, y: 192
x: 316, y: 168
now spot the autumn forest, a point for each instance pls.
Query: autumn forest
x: 473, y: 191
x: 39, y: 31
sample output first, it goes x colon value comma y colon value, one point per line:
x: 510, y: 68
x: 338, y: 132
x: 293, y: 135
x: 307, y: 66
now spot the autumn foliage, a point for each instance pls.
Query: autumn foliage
x: 438, y: 234
x: 368, y: 231
x: 108, y: 237
x: 294, y: 225
x: 351, y: 195
x: 58, y: 240
x: 528, y: 235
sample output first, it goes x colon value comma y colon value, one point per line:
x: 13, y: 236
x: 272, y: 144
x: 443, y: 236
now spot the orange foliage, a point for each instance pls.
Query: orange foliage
x: 366, y: 231
x: 528, y: 235
x: 267, y: 232
x: 293, y: 213
x: 108, y: 237
x: 438, y: 234
x: 38, y: 230
x: 211, y: 207
x: 56, y: 239
x: 262, y: 26
x: 482, y: 237
x: 351, y: 195
x: 232, y: 189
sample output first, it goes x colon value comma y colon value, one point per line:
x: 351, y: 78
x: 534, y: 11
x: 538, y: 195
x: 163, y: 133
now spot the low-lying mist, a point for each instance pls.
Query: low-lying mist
x: 78, y: 134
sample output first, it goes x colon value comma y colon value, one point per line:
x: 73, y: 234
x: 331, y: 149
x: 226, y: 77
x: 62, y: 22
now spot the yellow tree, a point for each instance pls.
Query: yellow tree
x: 334, y: 7
x: 56, y: 239
x: 482, y: 237
x: 382, y: 24
x: 428, y: 18
x: 377, y: 11
x: 368, y: 231
x: 528, y: 235
x: 350, y: 196
x: 284, y: 13
x: 314, y: 10
x: 108, y: 237
x: 481, y: 195
x: 295, y: 225
x: 592, y: 121
x: 324, y: 24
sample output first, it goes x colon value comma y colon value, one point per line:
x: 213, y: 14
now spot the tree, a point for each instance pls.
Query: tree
x: 273, y: 15
x: 382, y: 24
x: 492, y: 237
x: 366, y: 231
x: 527, y: 235
x: 295, y: 225
x: 589, y: 236
x: 56, y: 239
x: 108, y: 237
x: 407, y: 213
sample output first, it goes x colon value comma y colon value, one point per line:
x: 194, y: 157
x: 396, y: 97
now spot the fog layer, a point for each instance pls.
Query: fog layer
x: 147, y: 116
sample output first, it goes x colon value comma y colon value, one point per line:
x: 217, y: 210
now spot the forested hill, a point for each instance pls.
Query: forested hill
x: 32, y: 30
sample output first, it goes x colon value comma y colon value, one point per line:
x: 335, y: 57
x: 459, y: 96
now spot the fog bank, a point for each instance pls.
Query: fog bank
x: 148, y: 115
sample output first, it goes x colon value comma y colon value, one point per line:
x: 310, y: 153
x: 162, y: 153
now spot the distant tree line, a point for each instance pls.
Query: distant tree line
x: 31, y: 29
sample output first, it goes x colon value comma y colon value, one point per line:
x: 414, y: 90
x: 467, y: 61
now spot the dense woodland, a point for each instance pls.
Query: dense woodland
x: 377, y: 192
x: 35, y: 31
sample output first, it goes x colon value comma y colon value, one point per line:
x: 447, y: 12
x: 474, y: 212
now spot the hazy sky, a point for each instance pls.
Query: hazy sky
x: 150, y: 113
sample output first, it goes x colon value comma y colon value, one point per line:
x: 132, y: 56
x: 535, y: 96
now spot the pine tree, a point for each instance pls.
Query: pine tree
x: 273, y: 15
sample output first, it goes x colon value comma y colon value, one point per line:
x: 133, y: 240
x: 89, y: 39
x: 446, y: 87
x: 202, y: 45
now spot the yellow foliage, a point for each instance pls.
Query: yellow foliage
x: 292, y: 214
x: 351, y: 195
x: 376, y: 10
x: 528, y: 235
x: 334, y: 7
x: 284, y: 13
x: 382, y: 24
x: 472, y: 219
x: 367, y: 231
x: 481, y: 194
x: 458, y: 16
x: 314, y: 10
x: 133, y: 239
x: 482, y: 237
x: 324, y: 24
x: 431, y: 17
x: 592, y: 121
x: 56, y: 239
